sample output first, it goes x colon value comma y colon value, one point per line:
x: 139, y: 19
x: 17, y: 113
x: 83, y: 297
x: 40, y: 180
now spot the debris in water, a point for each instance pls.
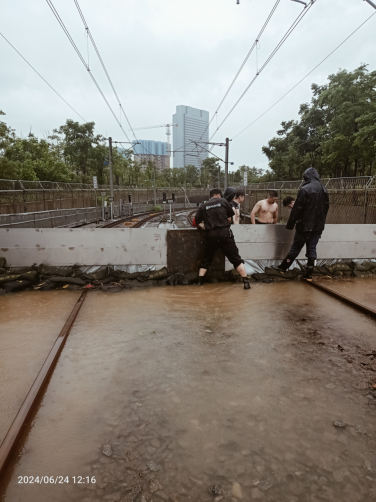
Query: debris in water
x: 107, y: 450
x: 152, y: 466
x: 341, y: 425
x: 154, y: 485
x: 133, y: 494
x: 237, y: 490
x: 215, y: 490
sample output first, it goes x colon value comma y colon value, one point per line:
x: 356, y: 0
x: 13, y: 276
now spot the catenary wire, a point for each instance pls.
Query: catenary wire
x: 245, y: 61
x: 37, y: 72
x: 50, y: 4
x: 103, y: 65
x: 279, y: 45
x: 307, y: 75
x: 242, y: 65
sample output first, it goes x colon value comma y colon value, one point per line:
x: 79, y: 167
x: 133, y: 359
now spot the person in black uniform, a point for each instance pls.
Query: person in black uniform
x: 217, y: 214
x: 309, y: 214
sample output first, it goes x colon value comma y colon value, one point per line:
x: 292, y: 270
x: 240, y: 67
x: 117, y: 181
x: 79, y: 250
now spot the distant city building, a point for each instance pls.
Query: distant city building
x: 193, y: 125
x: 154, y: 151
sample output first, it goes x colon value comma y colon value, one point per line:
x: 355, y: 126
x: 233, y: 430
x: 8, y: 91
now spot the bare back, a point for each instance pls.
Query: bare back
x: 267, y: 212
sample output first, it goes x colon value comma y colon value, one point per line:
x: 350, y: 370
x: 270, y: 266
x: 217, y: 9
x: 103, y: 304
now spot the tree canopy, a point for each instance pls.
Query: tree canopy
x: 336, y: 132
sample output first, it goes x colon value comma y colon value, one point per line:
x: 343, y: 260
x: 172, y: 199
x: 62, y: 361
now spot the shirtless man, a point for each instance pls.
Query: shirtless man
x: 267, y: 209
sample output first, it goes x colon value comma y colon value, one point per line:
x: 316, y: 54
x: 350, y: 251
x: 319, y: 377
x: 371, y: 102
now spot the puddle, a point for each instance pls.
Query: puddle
x: 206, y: 394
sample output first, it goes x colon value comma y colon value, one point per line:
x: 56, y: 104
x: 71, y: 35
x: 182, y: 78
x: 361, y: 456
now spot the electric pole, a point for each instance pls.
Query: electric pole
x: 226, y: 163
x: 154, y: 184
x: 111, y: 175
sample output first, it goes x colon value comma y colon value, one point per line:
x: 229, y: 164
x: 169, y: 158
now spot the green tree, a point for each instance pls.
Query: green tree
x: 335, y: 132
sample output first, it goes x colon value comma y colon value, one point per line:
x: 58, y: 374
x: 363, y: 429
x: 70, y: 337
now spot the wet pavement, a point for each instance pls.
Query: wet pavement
x: 207, y: 394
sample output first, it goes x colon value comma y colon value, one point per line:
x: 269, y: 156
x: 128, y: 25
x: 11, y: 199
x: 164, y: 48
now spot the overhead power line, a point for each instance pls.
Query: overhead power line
x: 103, y: 64
x: 307, y: 75
x: 242, y: 65
x: 50, y: 4
x: 44, y: 80
x: 279, y: 45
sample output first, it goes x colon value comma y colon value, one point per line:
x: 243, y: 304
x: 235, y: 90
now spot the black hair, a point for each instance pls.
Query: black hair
x: 215, y: 191
x: 288, y: 200
x: 273, y: 193
x: 239, y: 193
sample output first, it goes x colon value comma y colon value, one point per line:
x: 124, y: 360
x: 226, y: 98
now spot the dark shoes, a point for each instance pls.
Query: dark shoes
x: 308, y: 274
x: 246, y: 283
x: 284, y: 266
x: 200, y: 281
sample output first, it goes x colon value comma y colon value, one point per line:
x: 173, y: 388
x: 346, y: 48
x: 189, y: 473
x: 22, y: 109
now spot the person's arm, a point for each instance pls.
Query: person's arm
x: 276, y: 215
x: 199, y: 216
x: 297, y: 209
x: 236, y: 218
x: 254, y: 212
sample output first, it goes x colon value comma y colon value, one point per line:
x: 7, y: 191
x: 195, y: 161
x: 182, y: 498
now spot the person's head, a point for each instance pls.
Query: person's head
x: 229, y: 194
x: 240, y: 196
x: 289, y: 202
x: 272, y: 196
x: 215, y: 194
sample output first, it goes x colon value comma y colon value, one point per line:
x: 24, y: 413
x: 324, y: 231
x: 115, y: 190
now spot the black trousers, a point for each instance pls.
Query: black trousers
x: 311, y: 240
x: 221, y: 238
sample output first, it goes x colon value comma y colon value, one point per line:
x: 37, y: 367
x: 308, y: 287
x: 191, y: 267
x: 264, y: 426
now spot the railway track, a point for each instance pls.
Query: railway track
x: 145, y: 217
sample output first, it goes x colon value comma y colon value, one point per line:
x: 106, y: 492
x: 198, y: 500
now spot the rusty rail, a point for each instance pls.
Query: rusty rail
x: 344, y: 299
x: 130, y: 218
x: 11, y: 439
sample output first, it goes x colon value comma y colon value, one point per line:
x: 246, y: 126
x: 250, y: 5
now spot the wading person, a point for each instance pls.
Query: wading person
x: 267, y: 210
x: 309, y: 215
x: 217, y: 214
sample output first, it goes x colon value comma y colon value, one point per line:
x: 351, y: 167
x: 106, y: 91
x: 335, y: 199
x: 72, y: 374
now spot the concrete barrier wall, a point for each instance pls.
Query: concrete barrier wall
x: 86, y: 246
x: 272, y: 242
x: 180, y: 249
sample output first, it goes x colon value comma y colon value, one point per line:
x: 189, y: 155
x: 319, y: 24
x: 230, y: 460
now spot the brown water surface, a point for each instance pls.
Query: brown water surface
x: 192, y: 393
x: 361, y: 290
x: 30, y: 322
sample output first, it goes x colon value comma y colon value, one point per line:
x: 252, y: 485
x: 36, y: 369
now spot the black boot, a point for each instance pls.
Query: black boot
x: 308, y: 275
x: 246, y: 283
x: 284, y: 265
x: 200, y: 281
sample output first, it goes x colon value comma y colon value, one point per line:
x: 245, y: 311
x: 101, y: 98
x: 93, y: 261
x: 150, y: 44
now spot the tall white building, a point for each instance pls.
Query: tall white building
x: 193, y: 125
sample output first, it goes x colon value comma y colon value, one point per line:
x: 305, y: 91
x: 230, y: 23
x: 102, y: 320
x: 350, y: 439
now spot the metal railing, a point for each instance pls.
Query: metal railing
x: 353, y: 199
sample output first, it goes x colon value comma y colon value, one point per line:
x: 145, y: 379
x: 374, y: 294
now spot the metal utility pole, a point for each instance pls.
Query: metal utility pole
x: 111, y: 175
x: 371, y: 3
x: 226, y: 163
x: 154, y: 186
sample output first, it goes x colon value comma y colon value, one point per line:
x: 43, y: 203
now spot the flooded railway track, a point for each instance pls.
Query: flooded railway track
x: 9, y: 443
x: 179, y: 426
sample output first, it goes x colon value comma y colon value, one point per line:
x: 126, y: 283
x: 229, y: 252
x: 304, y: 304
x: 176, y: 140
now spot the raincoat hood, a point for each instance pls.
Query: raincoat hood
x: 311, y: 174
x: 229, y: 194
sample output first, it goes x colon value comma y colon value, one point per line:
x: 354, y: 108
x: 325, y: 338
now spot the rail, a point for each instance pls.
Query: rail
x: 10, y: 441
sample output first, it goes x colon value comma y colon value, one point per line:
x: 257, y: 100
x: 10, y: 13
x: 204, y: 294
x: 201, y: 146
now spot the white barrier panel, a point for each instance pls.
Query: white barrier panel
x: 273, y: 242
x: 83, y: 246
x: 148, y: 246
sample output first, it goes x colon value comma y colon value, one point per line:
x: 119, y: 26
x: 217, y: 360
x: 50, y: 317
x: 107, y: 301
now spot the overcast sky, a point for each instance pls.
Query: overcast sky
x: 164, y: 53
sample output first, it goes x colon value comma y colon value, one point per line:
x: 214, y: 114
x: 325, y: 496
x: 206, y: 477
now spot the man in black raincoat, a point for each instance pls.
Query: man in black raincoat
x: 309, y: 215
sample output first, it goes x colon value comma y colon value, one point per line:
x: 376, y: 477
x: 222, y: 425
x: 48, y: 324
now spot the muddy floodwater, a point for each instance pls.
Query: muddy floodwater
x: 206, y: 394
x: 29, y: 325
x: 359, y: 290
